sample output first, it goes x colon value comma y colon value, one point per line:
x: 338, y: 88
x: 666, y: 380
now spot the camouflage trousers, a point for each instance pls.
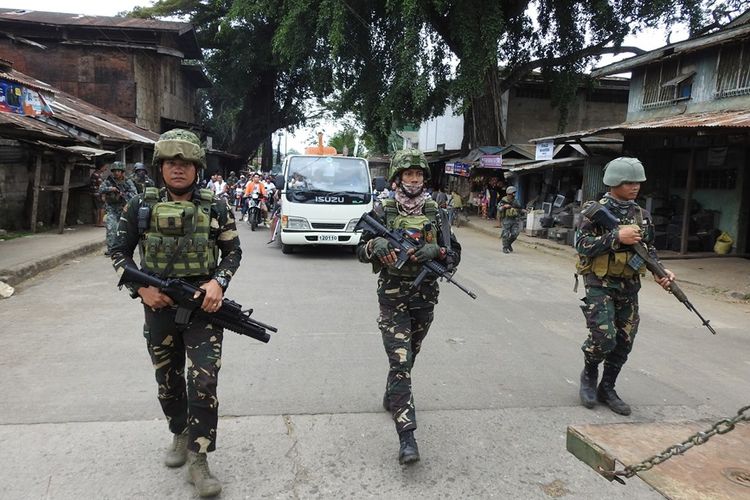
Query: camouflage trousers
x: 511, y: 230
x: 188, y: 400
x: 111, y: 221
x: 405, y: 318
x: 612, y: 319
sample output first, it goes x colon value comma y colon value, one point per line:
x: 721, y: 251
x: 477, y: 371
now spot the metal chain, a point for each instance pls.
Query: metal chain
x: 721, y: 427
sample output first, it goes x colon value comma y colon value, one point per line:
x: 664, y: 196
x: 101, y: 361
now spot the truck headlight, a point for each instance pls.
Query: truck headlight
x: 350, y: 226
x: 298, y: 223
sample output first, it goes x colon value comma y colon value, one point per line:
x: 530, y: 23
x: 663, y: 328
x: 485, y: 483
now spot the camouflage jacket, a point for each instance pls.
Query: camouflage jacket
x: 126, y: 190
x: 514, y: 204
x: 141, y: 185
x: 593, y: 240
x: 223, y: 230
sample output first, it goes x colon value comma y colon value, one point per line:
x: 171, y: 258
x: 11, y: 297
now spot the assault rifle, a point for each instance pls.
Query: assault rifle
x: 402, y: 244
x: 230, y: 315
x: 599, y: 214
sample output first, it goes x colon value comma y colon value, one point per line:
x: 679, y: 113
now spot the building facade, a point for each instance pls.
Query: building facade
x: 138, y: 69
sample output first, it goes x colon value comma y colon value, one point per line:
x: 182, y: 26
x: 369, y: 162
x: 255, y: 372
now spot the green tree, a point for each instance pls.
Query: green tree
x: 392, y: 62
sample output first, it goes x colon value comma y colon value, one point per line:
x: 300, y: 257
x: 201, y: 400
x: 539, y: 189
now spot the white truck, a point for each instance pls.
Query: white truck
x: 322, y: 198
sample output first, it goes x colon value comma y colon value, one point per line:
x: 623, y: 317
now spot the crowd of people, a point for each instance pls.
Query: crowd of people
x: 237, y: 190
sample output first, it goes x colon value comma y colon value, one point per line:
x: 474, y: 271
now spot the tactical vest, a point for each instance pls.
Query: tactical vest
x: 613, y: 264
x: 411, y: 223
x: 509, y: 213
x: 181, y: 228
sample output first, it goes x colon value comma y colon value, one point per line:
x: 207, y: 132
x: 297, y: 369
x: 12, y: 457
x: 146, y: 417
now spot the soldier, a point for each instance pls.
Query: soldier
x: 180, y: 231
x: 117, y: 191
x: 611, y: 276
x: 509, y: 212
x: 140, y: 178
x: 405, y: 313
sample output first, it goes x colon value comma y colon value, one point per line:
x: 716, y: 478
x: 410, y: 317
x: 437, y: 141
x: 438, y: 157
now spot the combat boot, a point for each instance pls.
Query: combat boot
x: 589, y: 378
x: 177, y: 454
x: 408, y: 452
x: 199, y: 475
x: 606, y: 393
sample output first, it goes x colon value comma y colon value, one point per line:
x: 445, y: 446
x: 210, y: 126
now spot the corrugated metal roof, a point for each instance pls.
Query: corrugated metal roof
x: 708, y: 120
x: 64, y: 19
x: 18, y: 125
x: 106, y: 125
x: 26, y: 80
x: 689, y: 45
x: 557, y: 162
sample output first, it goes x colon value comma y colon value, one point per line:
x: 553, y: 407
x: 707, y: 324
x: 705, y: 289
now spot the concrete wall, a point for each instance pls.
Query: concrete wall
x: 447, y: 129
x: 531, y: 117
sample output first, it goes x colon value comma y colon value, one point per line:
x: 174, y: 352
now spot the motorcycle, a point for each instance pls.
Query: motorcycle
x: 254, y: 216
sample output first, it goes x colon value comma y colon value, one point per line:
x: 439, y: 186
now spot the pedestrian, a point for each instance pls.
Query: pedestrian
x: 95, y: 181
x: 140, y: 178
x: 611, y: 276
x: 440, y: 197
x: 189, y: 227
x: 509, y: 211
x: 456, y: 206
x: 492, y: 198
x: 116, y: 191
x: 405, y: 312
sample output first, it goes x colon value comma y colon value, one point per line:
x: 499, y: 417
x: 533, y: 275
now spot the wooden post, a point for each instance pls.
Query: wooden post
x: 688, y: 199
x: 65, y: 196
x: 35, y: 188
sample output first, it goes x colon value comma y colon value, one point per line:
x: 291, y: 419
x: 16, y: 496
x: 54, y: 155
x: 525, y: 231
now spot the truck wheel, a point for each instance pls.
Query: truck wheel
x: 287, y: 249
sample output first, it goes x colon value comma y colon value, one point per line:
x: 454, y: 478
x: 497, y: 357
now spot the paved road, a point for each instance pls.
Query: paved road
x: 495, y: 385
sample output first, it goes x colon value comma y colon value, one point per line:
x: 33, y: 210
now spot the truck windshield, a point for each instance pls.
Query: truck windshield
x: 327, y: 179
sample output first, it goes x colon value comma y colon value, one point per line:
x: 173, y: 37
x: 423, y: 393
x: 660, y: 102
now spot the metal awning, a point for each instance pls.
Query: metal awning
x: 713, y: 120
x: 554, y: 163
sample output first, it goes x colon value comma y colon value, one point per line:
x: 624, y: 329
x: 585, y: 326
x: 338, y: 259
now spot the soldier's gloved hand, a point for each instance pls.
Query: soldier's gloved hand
x: 383, y: 251
x: 428, y: 251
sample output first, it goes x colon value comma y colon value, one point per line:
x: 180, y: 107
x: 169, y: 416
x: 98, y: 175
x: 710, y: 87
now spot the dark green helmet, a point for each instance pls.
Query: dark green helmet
x: 406, y: 159
x: 139, y: 166
x: 623, y: 169
x: 181, y: 144
x: 117, y: 165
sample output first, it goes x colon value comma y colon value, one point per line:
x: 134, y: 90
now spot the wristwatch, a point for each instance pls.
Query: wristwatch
x: 222, y: 281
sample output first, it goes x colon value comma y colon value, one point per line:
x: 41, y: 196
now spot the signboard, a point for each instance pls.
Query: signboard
x: 491, y: 161
x: 449, y: 168
x: 15, y: 98
x: 544, y: 150
x: 461, y: 169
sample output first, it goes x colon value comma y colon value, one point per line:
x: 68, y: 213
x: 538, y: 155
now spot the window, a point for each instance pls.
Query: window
x: 664, y: 84
x: 733, y: 71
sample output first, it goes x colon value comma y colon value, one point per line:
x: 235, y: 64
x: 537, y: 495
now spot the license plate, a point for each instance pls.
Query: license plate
x: 328, y: 237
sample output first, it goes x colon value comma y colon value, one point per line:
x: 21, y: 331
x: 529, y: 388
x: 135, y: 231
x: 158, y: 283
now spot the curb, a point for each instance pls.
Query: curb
x: 544, y: 246
x: 27, y: 271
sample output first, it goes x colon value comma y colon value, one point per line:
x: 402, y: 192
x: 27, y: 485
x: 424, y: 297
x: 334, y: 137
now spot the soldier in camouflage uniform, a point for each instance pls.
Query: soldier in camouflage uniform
x: 140, y: 178
x: 117, y: 191
x: 509, y: 211
x: 180, y: 231
x: 611, y: 276
x: 405, y: 313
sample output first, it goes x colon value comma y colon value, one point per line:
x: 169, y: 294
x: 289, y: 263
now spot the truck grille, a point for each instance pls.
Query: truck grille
x: 326, y: 225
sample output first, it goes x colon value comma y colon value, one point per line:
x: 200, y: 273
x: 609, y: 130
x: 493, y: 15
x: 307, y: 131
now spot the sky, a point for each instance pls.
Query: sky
x: 647, y: 41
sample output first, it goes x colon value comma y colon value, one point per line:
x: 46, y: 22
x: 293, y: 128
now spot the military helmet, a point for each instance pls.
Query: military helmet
x: 139, y: 166
x: 181, y: 144
x: 623, y: 169
x: 117, y: 165
x: 406, y: 159
x: 510, y: 190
